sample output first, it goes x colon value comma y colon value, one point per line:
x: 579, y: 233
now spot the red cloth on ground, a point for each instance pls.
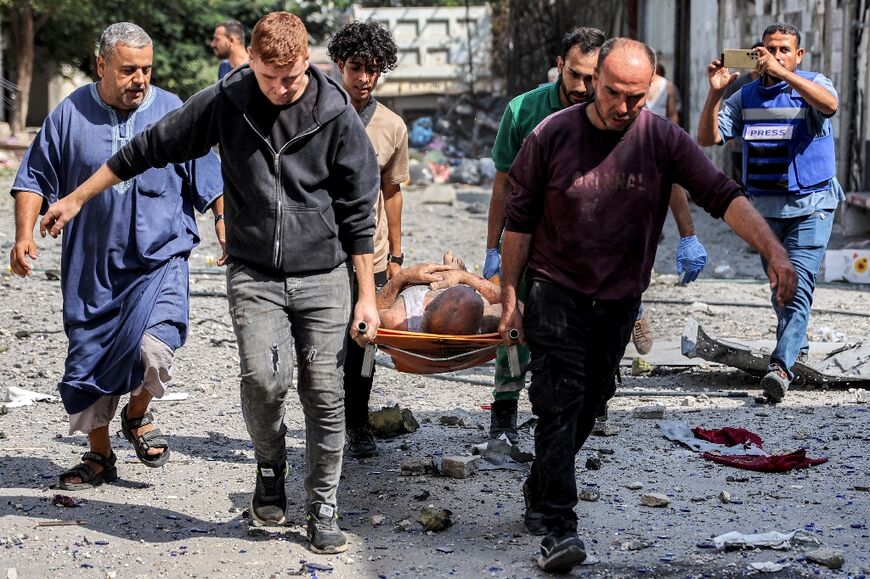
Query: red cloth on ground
x: 727, y: 436
x: 775, y: 463
x: 741, y: 436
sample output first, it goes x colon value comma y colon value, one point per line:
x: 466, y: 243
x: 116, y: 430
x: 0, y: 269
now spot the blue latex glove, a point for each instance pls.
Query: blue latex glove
x: 492, y: 264
x: 691, y: 258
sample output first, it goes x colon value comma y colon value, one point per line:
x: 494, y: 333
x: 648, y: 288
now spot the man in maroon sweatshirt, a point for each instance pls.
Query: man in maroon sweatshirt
x: 591, y: 187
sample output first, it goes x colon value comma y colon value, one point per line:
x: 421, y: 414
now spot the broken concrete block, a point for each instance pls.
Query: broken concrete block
x: 635, y: 486
x: 651, y: 412
x: 830, y: 558
x: 725, y: 497
x: 654, y: 500
x: 392, y: 421
x: 378, y: 520
x: 459, y: 466
x: 589, y: 495
x: 418, y: 467
x: 438, y: 194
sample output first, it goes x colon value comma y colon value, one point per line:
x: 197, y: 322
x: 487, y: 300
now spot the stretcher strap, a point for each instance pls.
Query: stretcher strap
x: 460, y: 356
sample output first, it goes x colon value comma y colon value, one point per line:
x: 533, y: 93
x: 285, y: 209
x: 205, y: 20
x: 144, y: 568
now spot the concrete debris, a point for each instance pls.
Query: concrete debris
x: 418, y: 467
x: 650, y: 412
x: 635, y: 486
x: 52, y: 274
x: 631, y: 544
x: 725, y: 497
x: 738, y: 540
x: 438, y: 194
x: 767, y: 566
x: 830, y: 558
x: 589, y: 495
x: 861, y: 396
x: 435, y: 520
x: 604, y: 428
x: 392, y: 421
x: 459, y: 466
x: 847, y: 364
x: 378, y: 520
x: 593, y: 463
x: 403, y: 526
x: 654, y: 500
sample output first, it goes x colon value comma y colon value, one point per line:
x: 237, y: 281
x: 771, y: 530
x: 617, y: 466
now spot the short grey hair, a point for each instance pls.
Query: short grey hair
x: 125, y: 33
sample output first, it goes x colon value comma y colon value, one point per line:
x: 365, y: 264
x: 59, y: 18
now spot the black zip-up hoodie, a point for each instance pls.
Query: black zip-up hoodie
x: 302, y: 209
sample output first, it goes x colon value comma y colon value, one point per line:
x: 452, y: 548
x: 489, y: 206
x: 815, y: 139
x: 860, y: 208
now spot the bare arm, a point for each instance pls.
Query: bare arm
x: 490, y: 291
x: 746, y: 222
x: 60, y: 213
x: 515, y: 249
x: 815, y: 94
x: 27, y: 206
x: 673, y: 114
x: 501, y: 188
x: 424, y: 273
x: 680, y: 210
x: 393, y: 202
x: 719, y: 78
x: 365, y: 309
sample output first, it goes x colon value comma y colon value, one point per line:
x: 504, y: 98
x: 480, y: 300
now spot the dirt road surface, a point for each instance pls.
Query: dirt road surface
x: 187, y: 519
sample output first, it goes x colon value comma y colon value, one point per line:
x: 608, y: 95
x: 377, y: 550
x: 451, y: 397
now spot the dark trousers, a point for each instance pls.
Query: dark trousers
x: 576, y: 344
x: 358, y: 389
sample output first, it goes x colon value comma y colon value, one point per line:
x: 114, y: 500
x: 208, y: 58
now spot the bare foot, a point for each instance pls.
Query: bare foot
x: 453, y: 261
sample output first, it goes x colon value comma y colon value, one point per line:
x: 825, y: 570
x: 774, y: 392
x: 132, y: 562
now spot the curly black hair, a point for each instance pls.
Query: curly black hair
x: 367, y: 40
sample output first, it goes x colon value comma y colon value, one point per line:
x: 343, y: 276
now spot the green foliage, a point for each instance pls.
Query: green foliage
x: 181, y: 29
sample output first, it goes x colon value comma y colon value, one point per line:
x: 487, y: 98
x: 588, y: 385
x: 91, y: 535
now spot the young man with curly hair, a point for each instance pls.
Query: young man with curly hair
x: 364, y: 51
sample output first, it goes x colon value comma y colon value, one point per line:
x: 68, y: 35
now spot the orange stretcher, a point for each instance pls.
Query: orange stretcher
x: 421, y: 353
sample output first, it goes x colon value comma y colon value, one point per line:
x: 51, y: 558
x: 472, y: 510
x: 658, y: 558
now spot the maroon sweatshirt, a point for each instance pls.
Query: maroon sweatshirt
x: 595, y: 201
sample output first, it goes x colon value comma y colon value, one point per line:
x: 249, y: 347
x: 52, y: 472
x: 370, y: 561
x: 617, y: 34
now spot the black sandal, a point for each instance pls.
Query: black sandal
x: 84, y: 471
x: 142, y: 444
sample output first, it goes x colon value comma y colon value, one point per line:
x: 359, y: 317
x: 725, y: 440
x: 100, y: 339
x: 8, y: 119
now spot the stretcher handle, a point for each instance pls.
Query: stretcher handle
x: 513, y: 354
x: 368, y: 364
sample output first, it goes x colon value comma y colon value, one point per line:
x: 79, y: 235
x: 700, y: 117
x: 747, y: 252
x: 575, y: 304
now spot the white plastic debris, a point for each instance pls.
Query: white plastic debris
x: 17, y: 397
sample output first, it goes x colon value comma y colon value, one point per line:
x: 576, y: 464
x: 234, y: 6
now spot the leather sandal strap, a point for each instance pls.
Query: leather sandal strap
x: 99, y: 459
x: 153, y: 439
x: 84, y: 471
x: 146, y: 418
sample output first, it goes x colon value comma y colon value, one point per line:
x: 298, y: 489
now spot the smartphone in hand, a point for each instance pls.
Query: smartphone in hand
x: 739, y: 58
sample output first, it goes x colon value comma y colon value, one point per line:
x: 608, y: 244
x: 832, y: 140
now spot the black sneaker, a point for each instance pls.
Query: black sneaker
x: 561, y: 552
x: 270, y: 499
x: 532, y: 519
x: 361, y: 442
x: 503, y: 420
x: 323, y: 532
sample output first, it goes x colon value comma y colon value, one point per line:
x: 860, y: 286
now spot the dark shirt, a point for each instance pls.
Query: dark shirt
x: 595, y: 201
x: 296, y: 117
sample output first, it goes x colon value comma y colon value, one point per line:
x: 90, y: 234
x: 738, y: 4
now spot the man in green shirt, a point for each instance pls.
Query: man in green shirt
x: 575, y: 65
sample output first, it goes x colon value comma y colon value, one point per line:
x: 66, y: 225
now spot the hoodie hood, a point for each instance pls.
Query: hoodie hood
x: 240, y: 84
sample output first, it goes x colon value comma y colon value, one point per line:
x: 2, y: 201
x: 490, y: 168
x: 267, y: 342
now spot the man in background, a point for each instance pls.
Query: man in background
x: 228, y: 44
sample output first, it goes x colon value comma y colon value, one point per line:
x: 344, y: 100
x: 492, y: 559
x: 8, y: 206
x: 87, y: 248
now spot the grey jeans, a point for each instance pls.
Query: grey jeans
x: 275, y: 317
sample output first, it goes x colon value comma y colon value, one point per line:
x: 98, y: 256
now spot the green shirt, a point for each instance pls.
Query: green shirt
x: 523, y: 114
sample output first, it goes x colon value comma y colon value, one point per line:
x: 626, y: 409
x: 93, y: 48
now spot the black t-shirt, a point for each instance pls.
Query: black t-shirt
x: 283, y: 123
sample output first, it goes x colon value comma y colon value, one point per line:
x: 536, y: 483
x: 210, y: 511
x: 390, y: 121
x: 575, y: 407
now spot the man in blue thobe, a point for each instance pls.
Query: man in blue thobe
x: 124, y: 258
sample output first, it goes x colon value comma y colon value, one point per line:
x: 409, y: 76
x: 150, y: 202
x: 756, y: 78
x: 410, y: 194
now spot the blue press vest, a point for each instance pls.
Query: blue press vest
x: 780, y: 154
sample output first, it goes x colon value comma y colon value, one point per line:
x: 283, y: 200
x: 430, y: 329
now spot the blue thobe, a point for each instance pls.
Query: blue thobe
x: 124, y: 256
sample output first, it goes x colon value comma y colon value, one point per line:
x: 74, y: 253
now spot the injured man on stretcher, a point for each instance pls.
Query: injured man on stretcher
x: 440, y: 299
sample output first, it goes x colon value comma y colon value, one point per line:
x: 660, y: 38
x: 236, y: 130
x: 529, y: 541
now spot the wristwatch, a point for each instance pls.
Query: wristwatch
x: 218, y: 217
x: 398, y: 259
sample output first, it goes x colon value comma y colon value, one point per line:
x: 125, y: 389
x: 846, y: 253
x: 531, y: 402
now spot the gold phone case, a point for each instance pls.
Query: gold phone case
x: 739, y: 58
